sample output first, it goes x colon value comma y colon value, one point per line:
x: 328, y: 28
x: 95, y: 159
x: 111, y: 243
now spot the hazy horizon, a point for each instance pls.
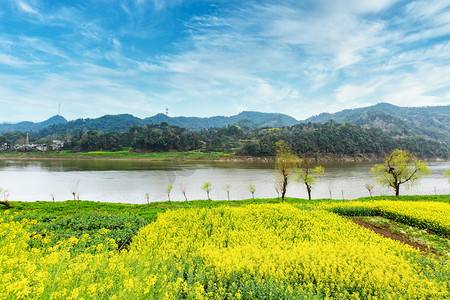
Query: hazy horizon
x: 207, y: 58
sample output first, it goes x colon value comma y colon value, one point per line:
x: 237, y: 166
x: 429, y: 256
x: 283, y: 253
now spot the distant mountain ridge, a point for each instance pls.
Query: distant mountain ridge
x: 249, y: 118
x: 432, y: 122
x: 30, y: 126
x: 122, y: 122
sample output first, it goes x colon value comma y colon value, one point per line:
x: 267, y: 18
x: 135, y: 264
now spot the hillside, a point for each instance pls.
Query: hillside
x: 431, y: 122
x: 120, y: 123
x: 250, y: 119
x: 105, y: 123
x: 30, y: 126
x: 327, y: 140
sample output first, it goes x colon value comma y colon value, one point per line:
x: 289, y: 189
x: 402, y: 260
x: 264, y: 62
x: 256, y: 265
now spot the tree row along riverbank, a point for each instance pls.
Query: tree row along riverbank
x: 320, y: 140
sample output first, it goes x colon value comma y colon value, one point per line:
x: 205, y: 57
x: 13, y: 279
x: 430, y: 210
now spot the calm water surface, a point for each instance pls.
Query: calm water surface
x: 129, y: 181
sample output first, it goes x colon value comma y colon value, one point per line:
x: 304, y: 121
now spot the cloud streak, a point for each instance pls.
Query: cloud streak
x: 203, y: 58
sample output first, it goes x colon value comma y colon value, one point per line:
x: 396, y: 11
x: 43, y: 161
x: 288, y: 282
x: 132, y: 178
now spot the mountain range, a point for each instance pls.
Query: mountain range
x: 432, y: 122
x: 122, y: 122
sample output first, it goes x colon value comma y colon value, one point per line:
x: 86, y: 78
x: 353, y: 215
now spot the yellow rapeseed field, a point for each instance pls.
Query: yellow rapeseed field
x: 270, y: 251
x: 434, y: 216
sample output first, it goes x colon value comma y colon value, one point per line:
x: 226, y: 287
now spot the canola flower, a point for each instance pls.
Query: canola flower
x: 434, y: 216
x: 272, y: 251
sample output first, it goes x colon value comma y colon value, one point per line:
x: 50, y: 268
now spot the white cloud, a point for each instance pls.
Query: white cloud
x: 26, y: 7
x: 352, y: 94
x: 299, y: 58
x: 10, y: 60
x: 428, y: 9
x: 43, y: 46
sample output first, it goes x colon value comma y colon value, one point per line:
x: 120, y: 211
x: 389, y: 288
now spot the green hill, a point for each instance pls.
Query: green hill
x: 30, y: 126
x: 432, y: 122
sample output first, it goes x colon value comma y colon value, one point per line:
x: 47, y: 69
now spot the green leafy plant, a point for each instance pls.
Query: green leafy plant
x: 307, y: 174
x: 168, y: 190
x: 400, y: 167
x: 252, y: 190
x: 286, y: 162
x: 207, y: 187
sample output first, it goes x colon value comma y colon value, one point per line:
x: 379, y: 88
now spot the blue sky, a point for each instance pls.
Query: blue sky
x: 206, y: 58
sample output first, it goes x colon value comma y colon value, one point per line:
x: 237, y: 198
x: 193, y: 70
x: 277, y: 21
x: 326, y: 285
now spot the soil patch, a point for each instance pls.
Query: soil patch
x: 389, y: 234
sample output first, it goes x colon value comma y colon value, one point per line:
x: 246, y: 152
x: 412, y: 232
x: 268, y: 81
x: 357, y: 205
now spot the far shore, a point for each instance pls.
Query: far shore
x: 188, y: 157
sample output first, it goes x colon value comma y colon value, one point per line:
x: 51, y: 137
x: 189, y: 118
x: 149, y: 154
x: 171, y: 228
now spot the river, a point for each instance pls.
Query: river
x: 129, y: 181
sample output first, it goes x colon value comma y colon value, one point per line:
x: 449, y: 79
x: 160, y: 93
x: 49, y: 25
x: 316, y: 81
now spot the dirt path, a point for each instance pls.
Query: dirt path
x: 394, y: 236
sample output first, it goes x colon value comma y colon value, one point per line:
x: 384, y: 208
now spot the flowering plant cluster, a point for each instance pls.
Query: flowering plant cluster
x: 267, y: 251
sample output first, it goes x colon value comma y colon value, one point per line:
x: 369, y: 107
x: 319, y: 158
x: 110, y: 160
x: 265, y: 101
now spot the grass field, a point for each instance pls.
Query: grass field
x: 249, y: 249
x: 125, y: 154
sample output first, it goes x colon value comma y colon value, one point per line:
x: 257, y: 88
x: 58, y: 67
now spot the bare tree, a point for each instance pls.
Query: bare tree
x: 183, y: 191
x: 168, y: 190
x: 369, y: 188
x: 147, y: 196
x: 5, y: 194
x: 53, y: 199
x: 78, y: 200
x: 74, y: 189
x: 277, y: 188
x: 227, y: 188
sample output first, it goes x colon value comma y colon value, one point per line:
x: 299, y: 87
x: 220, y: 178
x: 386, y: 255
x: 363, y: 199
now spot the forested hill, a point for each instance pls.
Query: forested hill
x: 30, y: 126
x: 328, y: 140
x: 432, y: 122
x: 247, y: 120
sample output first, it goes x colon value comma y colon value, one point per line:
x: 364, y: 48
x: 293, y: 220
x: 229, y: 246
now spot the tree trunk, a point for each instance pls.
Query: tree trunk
x: 309, y: 193
x: 8, y: 205
x: 284, y: 188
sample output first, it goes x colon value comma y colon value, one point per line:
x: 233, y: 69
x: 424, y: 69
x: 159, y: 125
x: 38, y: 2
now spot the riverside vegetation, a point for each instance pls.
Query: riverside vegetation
x: 247, y: 249
x: 326, y: 141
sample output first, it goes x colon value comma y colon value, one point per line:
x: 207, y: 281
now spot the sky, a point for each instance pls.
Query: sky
x: 206, y: 58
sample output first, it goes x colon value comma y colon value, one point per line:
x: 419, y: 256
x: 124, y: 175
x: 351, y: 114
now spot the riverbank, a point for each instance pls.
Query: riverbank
x: 174, y: 156
x: 120, y: 155
x: 187, y: 156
